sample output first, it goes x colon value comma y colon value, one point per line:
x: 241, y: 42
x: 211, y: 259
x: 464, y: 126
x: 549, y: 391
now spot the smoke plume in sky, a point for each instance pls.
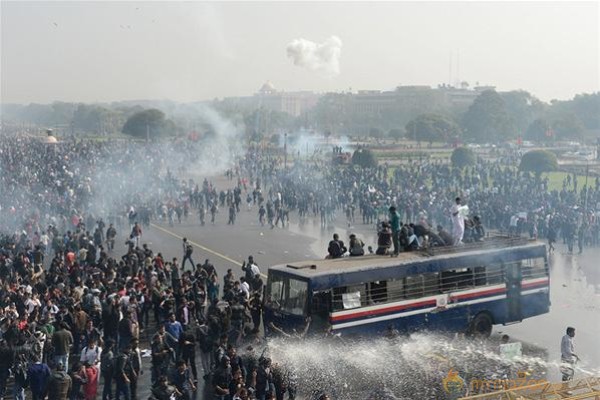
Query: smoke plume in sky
x: 320, y: 57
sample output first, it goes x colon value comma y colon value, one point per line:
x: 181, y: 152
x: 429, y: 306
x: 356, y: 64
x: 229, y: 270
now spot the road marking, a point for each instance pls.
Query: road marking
x: 211, y: 251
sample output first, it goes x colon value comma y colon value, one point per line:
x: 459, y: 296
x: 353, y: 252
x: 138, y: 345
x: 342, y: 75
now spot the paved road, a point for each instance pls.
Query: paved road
x: 575, y: 287
x: 227, y: 246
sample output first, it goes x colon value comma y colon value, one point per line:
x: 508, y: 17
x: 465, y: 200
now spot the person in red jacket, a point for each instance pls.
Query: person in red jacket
x: 90, y: 389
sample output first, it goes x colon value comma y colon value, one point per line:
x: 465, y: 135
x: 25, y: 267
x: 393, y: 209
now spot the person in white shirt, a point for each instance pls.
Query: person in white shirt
x: 91, y: 353
x: 512, y: 226
x: 567, y: 354
x: 50, y: 310
x: 245, y: 288
x: 250, y: 268
x: 45, y: 240
x: 253, y: 267
x: 458, y: 222
x: 32, y: 302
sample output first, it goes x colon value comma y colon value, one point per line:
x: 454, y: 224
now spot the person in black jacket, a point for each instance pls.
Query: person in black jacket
x: 59, y: 384
x: 222, y: 378
x: 7, y: 357
x: 336, y: 247
x: 110, y: 318
x: 205, y: 344
x: 107, y: 365
x: 135, y: 360
x: 163, y: 391
x: 187, y: 349
x: 123, y: 373
x: 188, y: 249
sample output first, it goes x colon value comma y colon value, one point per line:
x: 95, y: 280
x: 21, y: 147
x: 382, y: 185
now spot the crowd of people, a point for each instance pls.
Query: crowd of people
x: 74, y: 309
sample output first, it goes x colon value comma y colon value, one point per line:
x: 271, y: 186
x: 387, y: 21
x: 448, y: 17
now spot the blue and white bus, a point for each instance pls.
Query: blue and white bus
x: 468, y: 288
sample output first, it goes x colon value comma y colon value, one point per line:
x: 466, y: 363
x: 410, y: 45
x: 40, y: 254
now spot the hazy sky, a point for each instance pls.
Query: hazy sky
x: 101, y: 51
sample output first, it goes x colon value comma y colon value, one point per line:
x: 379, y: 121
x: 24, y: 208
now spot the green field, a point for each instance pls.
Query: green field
x: 555, y: 180
x: 412, y: 154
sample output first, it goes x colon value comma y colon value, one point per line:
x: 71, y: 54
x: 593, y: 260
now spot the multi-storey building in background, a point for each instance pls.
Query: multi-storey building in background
x: 269, y: 98
x: 421, y: 98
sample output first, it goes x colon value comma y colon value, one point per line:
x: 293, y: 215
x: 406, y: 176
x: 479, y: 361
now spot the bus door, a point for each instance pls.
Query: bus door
x: 512, y: 276
x: 320, y: 310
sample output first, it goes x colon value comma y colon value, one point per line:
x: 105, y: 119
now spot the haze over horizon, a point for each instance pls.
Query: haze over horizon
x: 112, y: 51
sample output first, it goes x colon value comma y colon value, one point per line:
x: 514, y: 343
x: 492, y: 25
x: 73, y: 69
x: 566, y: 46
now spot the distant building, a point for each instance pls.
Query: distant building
x: 404, y: 101
x: 268, y: 97
x: 421, y: 97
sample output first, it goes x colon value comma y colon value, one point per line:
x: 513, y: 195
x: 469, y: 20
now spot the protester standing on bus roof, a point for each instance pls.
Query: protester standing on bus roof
x: 395, y: 225
x: 458, y: 222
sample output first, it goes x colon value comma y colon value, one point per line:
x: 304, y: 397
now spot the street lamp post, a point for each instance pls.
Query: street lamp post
x: 587, y: 170
x: 285, y: 150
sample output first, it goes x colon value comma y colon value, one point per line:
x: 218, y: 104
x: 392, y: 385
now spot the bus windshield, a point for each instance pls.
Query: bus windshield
x: 287, y: 294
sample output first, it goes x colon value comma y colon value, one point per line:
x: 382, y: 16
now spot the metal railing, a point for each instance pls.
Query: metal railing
x: 579, y: 389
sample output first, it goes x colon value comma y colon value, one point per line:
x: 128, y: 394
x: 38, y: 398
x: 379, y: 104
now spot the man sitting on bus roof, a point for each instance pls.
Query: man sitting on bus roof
x: 336, y: 247
x: 408, y: 239
x: 478, y: 229
x: 356, y: 246
x: 445, y: 236
x: 384, y: 239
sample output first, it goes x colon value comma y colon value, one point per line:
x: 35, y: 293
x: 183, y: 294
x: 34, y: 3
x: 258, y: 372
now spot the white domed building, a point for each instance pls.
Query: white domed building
x: 50, y: 138
x: 267, y: 89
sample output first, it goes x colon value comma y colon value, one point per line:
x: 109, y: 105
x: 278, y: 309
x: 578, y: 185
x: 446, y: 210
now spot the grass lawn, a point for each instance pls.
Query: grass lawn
x: 555, y: 180
x: 403, y: 155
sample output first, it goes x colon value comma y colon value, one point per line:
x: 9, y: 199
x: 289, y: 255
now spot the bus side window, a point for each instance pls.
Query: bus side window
x: 494, y: 274
x: 337, y: 303
x: 395, y: 289
x: 431, y: 284
x: 345, y: 298
x: 479, y: 276
x: 321, y: 302
x: 320, y: 309
x: 533, y: 268
x: 457, y: 279
x: 413, y: 286
x: 513, y: 271
x: 378, y: 292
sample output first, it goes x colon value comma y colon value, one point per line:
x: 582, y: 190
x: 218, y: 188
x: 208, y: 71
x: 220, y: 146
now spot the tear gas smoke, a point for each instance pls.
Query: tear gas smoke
x: 320, y: 57
x: 104, y: 179
x: 308, y: 143
x: 221, y: 145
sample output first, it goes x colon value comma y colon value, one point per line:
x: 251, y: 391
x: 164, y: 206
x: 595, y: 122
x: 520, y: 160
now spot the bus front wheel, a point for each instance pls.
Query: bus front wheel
x: 481, y: 325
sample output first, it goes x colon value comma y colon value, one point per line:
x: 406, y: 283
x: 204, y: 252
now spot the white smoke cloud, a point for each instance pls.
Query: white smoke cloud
x: 320, y: 57
x: 222, y: 140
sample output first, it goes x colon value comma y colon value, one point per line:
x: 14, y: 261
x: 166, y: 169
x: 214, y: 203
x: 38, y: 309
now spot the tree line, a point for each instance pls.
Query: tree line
x: 491, y: 118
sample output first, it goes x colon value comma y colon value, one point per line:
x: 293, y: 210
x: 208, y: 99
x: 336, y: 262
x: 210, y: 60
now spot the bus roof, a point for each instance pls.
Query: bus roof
x: 318, y: 268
